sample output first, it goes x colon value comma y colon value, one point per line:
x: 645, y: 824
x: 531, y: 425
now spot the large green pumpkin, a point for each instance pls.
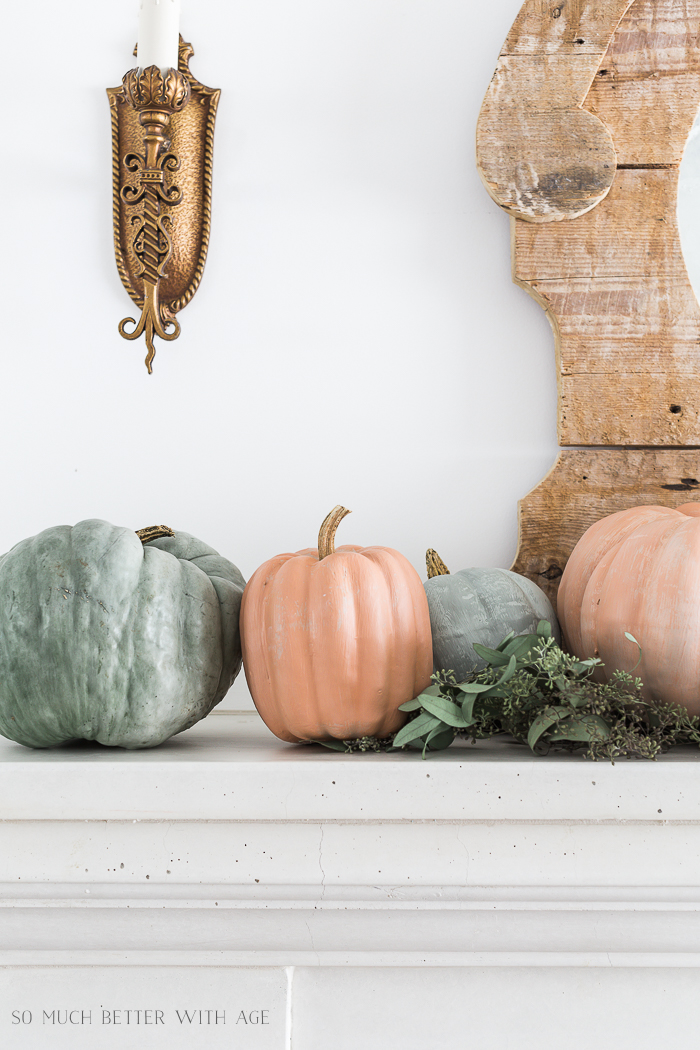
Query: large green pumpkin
x: 105, y: 637
x: 479, y: 605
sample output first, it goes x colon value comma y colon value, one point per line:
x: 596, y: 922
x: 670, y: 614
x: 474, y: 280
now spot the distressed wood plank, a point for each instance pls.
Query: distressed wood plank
x: 656, y: 37
x: 664, y: 125
x: 622, y: 324
x: 546, y: 83
x: 647, y: 90
x: 649, y: 409
x: 584, y: 486
x: 633, y: 232
x: 568, y: 26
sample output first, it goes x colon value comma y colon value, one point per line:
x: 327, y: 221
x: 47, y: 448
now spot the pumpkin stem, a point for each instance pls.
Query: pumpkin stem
x: 153, y: 532
x: 435, y: 564
x: 326, y: 535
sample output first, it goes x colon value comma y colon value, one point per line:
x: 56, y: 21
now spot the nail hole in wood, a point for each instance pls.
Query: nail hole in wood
x: 552, y: 573
x: 676, y: 409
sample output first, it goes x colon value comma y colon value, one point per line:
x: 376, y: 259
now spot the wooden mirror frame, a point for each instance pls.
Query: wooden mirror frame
x: 580, y: 139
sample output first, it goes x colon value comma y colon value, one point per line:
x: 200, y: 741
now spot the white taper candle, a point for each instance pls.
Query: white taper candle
x: 159, y: 34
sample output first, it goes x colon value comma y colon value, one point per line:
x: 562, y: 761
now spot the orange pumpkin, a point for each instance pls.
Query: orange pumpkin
x: 638, y: 571
x: 334, y: 640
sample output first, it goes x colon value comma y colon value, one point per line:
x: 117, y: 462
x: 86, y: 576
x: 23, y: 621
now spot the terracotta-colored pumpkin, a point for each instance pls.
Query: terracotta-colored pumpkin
x: 335, y: 640
x: 638, y: 571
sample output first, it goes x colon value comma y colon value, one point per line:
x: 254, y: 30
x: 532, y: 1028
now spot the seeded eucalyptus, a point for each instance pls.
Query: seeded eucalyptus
x: 541, y: 696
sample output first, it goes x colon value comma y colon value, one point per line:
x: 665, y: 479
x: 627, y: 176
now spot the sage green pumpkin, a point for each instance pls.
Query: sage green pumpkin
x: 104, y: 638
x: 479, y: 605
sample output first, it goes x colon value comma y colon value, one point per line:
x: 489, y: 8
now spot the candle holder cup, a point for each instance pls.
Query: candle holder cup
x: 162, y: 152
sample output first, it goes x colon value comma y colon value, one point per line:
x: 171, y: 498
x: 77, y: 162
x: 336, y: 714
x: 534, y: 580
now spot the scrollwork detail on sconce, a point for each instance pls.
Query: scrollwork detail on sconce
x: 157, y: 131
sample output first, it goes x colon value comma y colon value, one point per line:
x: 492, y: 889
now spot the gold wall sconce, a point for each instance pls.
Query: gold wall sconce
x: 162, y: 149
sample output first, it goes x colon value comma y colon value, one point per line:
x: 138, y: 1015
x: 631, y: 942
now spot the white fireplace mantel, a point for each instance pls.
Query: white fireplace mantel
x: 412, y: 899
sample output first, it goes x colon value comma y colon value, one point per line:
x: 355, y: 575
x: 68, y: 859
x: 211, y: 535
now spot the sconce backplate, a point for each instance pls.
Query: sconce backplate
x: 191, y: 135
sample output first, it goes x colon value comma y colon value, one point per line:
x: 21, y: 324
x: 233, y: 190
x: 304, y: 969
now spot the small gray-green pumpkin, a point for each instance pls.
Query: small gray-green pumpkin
x: 105, y: 637
x: 479, y: 605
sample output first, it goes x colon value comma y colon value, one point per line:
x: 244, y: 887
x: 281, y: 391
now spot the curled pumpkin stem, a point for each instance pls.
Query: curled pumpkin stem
x: 435, y: 565
x: 326, y: 535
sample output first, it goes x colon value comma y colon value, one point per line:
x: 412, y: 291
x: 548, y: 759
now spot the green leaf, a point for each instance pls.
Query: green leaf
x: 417, y: 702
x: 492, y: 656
x: 511, y: 634
x: 468, y: 707
x: 475, y: 687
x: 582, y: 667
x: 334, y: 745
x: 564, y: 726
x: 421, y: 725
x: 521, y: 646
x: 449, y: 713
x: 438, y: 740
x: 631, y: 638
x: 509, y: 671
x: 544, y: 629
x: 581, y: 728
x: 543, y: 722
x: 577, y: 701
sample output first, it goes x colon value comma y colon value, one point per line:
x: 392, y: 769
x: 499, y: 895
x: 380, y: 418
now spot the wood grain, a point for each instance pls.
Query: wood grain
x: 538, y: 160
x: 625, y: 408
x: 623, y: 324
x: 633, y: 232
x: 647, y: 90
x: 541, y: 156
x: 571, y: 27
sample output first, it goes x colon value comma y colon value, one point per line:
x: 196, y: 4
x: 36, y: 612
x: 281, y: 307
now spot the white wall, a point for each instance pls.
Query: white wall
x: 356, y: 338
x: 689, y: 205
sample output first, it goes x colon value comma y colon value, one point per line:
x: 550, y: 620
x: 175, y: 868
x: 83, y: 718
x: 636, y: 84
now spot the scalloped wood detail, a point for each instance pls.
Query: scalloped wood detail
x: 540, y: 154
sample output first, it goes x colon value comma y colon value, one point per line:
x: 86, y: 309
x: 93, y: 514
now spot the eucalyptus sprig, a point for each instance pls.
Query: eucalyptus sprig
x: 541, y: 696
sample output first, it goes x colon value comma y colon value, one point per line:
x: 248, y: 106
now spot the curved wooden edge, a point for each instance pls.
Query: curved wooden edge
x: 540, y: 155
x: 585, y: 485
x: 531, y: 288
